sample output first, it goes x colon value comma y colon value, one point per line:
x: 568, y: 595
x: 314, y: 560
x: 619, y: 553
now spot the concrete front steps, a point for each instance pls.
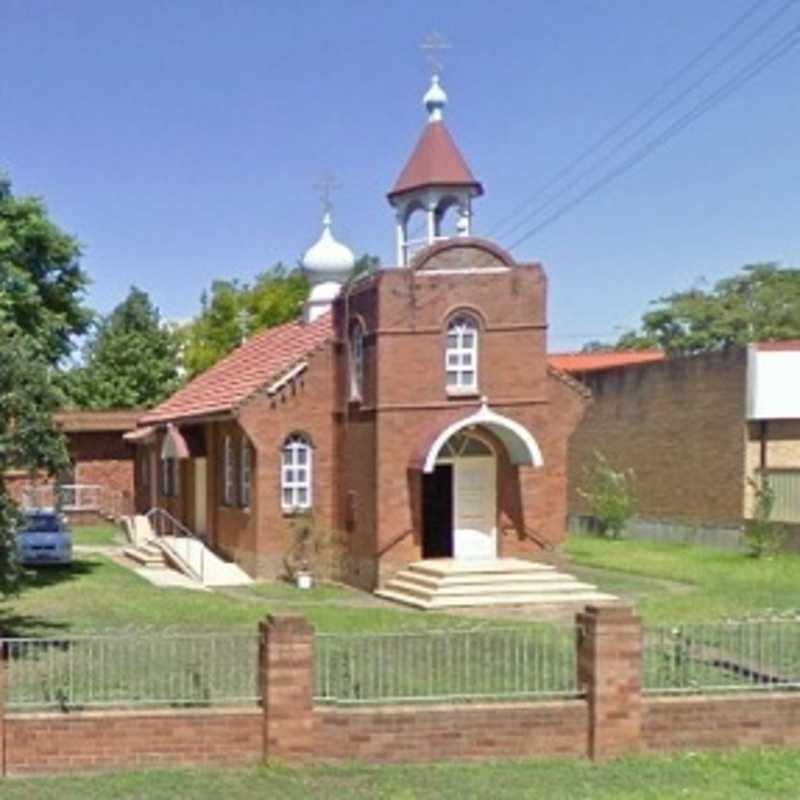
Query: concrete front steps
x: 447, y: 583
x: 147, y: 554
x: 196, y: 560
x: 187, y: 554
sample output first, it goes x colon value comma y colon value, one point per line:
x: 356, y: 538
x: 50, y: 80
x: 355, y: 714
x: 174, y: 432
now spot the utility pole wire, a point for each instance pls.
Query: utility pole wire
x: 780, y: 48
x: 695, y: 84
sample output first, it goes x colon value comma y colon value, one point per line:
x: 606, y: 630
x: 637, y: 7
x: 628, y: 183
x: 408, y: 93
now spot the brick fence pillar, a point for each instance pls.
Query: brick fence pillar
x: 287, y: 681
x: 610, y: 667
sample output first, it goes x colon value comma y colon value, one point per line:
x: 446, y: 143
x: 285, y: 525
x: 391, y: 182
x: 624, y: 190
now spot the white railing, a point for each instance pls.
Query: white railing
x: 535, y: 661
x: 65, y: 497
x: 167, y: 668
x: 722, y: 657
x: 74, y: 497
x: 182, y: 543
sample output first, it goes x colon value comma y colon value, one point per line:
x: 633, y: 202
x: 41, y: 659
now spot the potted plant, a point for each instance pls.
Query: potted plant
x: 299, y: 559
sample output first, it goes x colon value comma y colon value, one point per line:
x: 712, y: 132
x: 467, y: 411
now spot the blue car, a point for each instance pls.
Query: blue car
x: 44, y: 539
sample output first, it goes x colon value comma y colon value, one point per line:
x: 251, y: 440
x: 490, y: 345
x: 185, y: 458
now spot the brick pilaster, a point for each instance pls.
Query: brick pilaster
x: 610, y: 667
x: 287, y: 678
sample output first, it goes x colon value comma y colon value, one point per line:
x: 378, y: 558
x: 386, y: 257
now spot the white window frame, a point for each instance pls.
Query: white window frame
x: 461, y: 359
x: 292, y: 485
x: 228, y: 472
x: 246, y: 474
x: 357, y: 361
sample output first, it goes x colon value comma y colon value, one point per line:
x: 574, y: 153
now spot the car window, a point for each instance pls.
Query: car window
x: 42, y: 523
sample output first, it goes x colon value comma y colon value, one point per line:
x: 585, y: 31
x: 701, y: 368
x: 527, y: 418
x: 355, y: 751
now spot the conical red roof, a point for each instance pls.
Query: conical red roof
x: 436, y: 161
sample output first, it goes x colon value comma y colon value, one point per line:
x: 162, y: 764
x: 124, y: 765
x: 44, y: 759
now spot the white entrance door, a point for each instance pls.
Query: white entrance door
x: 200, y: 499
x: 474, y: 508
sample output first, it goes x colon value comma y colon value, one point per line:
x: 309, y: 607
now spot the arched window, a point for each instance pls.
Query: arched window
x: 296, y: 473
x: 357, y: 362
x: 461, y: 358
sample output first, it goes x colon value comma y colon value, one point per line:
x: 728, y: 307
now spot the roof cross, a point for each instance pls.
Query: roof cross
x: 327, y: 185
x: 432, y: 46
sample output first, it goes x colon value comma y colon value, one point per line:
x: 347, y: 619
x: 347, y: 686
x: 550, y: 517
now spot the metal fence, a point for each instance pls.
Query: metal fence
x: 133, y: 670
x: 722, y: 657
x: 452, y: 666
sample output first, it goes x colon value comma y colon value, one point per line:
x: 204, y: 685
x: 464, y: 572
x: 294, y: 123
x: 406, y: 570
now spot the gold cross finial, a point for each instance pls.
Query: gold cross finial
x: 432, y: 46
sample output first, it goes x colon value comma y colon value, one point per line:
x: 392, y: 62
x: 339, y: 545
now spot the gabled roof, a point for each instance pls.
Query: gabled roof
x: 91, y: 421
x: 575, y: 363
x: 251, y: 366
x: 436, y: 161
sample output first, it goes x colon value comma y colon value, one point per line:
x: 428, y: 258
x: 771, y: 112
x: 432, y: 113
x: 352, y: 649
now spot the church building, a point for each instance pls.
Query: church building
x: 412, y: 409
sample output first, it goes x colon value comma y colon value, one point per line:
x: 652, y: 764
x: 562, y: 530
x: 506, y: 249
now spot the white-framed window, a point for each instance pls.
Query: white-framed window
x: 296, y: 473
x: 228, y: 471
x: 357, y: 362
x: 461, y: 354
x: 246, y: 474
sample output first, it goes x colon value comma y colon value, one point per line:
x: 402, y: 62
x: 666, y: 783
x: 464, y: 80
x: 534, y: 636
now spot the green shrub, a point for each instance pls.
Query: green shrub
x: 762, y: 535
x: 609, y: 494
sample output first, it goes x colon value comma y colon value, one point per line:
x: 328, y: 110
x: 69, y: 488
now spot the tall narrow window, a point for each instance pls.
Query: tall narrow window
x: 461, y: 356
x: 357, y: 362
x: 246, y: 476
x: 296, y: 473
x: 229, y: 472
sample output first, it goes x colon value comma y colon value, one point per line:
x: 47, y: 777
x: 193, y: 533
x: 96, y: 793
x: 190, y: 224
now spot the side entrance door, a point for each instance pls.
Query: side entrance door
x: 474, y: 508
x: 200, y: 496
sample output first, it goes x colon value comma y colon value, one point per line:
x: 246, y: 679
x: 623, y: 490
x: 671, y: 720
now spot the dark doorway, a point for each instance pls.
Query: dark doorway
x: 437, y: 513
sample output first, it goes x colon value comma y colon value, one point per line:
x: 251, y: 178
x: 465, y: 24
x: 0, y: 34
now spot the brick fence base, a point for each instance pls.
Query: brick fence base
x: 613, y: 718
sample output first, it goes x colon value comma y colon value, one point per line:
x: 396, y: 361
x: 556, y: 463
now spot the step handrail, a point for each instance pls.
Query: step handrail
x: 162, y: 513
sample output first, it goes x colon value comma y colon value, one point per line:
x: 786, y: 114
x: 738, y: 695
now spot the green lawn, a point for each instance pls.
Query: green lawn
x: 730, y: 776
x: 102, y: 533
x: 96, y: 594
x: 673, y: 582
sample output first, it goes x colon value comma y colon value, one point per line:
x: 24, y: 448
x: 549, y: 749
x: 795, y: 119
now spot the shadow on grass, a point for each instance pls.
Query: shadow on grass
x: 14, y: 625
x: 52, y: 575
x: 20, y: 626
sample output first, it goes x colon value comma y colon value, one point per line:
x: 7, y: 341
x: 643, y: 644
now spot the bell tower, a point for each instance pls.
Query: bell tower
x: 435, y: 180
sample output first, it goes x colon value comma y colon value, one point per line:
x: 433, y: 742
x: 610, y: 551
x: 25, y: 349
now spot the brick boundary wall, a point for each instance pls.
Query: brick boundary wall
x: 612, y: 719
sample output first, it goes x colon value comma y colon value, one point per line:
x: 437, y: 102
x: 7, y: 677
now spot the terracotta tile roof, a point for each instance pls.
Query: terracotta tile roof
x: 233, y: 379
x: 436, y: 161
x: 574, y: 363
x: 788, y: 344
x: 90, y: 421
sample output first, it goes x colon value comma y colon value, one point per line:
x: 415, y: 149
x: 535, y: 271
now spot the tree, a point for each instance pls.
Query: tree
x: 760, y: 303
x: 41, y: 282
x: 28, y: 438
x: 130, y: 361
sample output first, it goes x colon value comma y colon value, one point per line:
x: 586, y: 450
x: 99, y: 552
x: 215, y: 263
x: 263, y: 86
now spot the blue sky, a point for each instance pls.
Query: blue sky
x: 180, y: 140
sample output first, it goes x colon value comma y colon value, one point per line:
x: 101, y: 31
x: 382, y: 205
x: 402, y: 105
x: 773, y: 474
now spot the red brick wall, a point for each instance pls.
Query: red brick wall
x: 452, y: 732
x: 38, y: 743
x: 406, y: 404
x: 680, y: 424
x: 721, y: 721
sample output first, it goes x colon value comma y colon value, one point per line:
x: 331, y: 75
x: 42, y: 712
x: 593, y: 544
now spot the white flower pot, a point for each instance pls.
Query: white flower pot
x: 305, y: 580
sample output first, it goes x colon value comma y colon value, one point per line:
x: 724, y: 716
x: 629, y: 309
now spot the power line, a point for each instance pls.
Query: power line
x: 650, y: 120
x: 753, y: 68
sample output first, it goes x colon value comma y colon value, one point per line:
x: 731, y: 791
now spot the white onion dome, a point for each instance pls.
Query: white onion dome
x: 435, y: 100
x: 328, y: 260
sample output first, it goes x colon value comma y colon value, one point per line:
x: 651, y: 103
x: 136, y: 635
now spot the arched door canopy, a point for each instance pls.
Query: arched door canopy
x: 522, y: 448
x: 174, y: 444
